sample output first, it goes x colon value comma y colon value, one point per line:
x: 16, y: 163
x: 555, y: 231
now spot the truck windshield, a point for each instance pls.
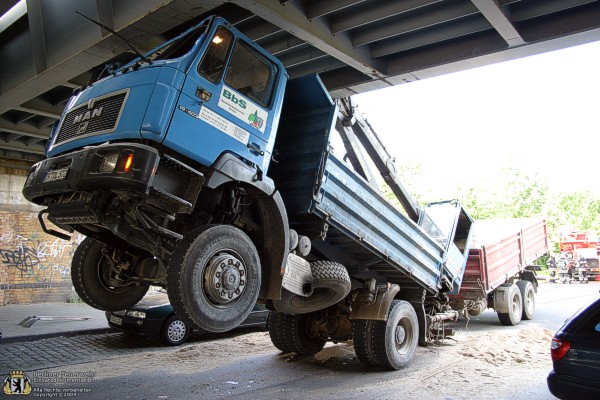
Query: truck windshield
x: 438, y: 220
x: 180, y: 46
x: 246, y: 71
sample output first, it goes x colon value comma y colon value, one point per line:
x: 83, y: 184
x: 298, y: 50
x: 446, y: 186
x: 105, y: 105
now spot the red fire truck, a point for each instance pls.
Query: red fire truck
x: 577, y: 244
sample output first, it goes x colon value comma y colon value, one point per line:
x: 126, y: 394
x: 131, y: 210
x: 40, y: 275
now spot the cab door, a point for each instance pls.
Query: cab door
x: 226, y: 102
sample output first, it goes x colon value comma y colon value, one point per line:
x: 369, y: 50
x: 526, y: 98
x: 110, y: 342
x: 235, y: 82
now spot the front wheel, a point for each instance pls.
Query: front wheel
x: 214, y: 277
x: 174, y: 331
x: 94, y: 281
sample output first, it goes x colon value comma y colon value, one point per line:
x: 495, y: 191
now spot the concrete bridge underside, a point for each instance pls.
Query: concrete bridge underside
x: 47, y: 50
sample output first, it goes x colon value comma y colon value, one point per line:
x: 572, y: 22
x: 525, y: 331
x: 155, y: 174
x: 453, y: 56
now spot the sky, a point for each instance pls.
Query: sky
x: 539, y: 113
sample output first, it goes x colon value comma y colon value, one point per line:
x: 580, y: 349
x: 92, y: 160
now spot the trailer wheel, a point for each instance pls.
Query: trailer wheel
x: 528, y: 297
x: 362, y: 332
x: 515, y: 308
x: 331, y: 283
x: 214, y: 277
x: 90, y: 273
x: 292, y: 333
x: 394, y: 342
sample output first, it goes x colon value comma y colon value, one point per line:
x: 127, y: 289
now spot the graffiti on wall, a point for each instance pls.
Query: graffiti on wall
x: 42, y: 261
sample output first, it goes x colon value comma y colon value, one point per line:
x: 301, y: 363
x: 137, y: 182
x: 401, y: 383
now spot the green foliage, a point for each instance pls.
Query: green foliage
x: 513, y: 194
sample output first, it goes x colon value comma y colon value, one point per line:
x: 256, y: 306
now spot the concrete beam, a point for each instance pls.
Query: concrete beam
x: 40, y: 107
x: 22, y: 148
x: 291, y: 17
x: 412, y: 23
x: 378, y: 12
x: 24, y: 129
x: 501, y: 23
x: 316, y: 9
x: 63, y: 45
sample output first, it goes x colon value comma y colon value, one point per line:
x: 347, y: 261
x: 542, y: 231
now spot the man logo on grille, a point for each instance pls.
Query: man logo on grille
x: 83, y: 119
x: 89, y: 114
x: 82, y: 128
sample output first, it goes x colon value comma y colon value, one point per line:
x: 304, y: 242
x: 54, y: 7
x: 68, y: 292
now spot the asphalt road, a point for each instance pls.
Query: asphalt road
x: 554, y: 304
x: 130, y: 369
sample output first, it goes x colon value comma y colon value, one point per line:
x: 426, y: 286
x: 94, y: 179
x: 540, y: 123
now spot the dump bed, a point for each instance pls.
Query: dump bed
x: 501, y: 249
x: 347, y: 219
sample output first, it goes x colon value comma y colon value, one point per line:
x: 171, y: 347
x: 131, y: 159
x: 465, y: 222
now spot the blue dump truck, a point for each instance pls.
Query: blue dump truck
x: 200, y: 167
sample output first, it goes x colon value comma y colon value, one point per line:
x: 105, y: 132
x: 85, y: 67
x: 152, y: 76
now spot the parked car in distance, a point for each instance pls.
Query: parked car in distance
x: 575, y: 351
x: 154, y: 317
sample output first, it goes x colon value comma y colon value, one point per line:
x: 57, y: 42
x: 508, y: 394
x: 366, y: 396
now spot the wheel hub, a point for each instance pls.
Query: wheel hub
x: 400, y: 335
x: 176, y: 331
x: 224, y: 278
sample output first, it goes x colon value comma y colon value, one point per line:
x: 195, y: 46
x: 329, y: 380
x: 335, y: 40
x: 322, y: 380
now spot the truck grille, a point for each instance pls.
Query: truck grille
x: 93, y: 118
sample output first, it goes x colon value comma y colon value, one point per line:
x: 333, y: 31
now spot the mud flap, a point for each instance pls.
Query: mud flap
x: 421, y: 317
x: 378, y: 309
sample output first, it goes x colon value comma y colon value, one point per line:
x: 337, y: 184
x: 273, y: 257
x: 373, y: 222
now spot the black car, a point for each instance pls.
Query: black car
x: 575, y: 351
x: 155, y: 317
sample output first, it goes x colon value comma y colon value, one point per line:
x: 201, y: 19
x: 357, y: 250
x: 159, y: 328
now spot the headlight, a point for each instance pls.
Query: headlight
x: 109, y: 162
x: 136, y: 314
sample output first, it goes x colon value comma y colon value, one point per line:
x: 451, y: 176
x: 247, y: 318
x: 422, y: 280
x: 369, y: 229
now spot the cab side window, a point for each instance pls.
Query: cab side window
x: 213, y: 62
x: 250, y: 74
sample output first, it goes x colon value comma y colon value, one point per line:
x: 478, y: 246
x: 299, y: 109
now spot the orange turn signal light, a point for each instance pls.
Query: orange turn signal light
x: 128, y: 163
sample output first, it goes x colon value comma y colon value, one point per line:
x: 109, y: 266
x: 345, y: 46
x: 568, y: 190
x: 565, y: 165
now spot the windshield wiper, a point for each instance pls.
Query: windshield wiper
x: 101, y: 25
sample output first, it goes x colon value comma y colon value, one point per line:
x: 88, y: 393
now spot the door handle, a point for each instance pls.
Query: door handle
x: 255, y: 148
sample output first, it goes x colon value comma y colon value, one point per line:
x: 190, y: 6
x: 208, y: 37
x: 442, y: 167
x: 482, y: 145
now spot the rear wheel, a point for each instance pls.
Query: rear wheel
x: 515, y: 308
x: 94, y: 280
x: 394, y: 342
x: 362, y: 331
x: 214, y: 278
x: 293, y: 333
x: 528, y: 298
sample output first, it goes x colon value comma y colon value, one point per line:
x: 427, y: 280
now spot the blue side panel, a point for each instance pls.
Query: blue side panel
x: 324, y: 198
x: 355, y: 208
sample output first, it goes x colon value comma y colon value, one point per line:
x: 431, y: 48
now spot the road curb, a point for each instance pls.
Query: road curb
x: 32, y: 338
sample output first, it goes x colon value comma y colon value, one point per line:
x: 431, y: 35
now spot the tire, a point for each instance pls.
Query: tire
x: 528, y: 297
x: 331, y: 283
x: 174, y: 331
x: 362, y: 330
x: 394, y: 342
x: 89, y: 273
x: 196, y: 276
x: 513, y: 317
x: 291, y: 334
x: 276, y: 325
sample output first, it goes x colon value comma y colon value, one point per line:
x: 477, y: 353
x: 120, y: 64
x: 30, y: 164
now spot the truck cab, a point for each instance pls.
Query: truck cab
x: 173, y: 140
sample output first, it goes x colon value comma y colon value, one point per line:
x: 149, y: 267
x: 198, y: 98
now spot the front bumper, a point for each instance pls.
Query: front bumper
x: 81, y: 170
x: 149, y: 326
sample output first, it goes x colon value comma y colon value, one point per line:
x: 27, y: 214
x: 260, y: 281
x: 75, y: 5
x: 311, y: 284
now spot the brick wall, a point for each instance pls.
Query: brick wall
x: 34, y: 266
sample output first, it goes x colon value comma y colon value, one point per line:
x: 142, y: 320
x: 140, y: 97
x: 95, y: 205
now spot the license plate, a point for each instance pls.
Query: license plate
x: 56, y: 175
x: 115, y: 320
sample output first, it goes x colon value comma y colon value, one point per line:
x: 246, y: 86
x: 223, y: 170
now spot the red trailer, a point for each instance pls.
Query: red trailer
x: 499, y: 272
